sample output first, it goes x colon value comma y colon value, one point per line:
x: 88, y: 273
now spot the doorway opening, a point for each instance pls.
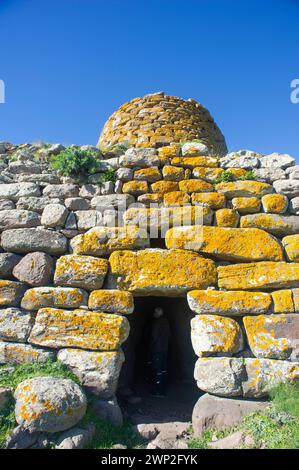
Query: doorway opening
x: 181, y: 390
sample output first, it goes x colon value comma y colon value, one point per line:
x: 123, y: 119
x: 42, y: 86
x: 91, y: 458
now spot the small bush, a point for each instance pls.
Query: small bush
x: 285, y: 398
x: 109, y: 175
x: 249, y: 176
x: 75, y: 162
x: 225, y: 177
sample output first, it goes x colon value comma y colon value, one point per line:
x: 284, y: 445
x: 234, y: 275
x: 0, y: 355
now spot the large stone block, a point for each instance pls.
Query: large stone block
x: 225, y: 243
x: 97, y: 371
x: 61, y: 191
x: 27, y: 240
x: 215, y: 335
x: 16, y: 190
x: 264, y: 275
x: 112, y: 201
x: 57, y: 328
x: 273, y: 336
x: 64, y: 297
x: 194, y: 162
x: 244, y: 189
x: 15, y: 324
x: 35, y: 269
x: 230, y: 303
x: 7, y: 262
x: 111, y: 301
x: 291, y: 246
x: 54, y: 215
x: 289, y: 188
x: 278, y: 225
x: 35, y: 204
x: 139, y: 158
x: 160, y: 272
x: 14, y: 218
x: 18, y: 353
x: 80, y: 271
x: 11, y: 293
x: 100, y: 241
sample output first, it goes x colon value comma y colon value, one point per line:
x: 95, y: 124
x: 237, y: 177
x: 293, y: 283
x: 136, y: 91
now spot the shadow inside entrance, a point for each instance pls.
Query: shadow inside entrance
x: 181, y: 391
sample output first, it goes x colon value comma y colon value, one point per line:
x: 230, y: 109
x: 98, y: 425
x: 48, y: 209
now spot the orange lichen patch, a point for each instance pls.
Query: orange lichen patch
x: 246, y: 205
x: 244, y: 189
x: 160, y: 272
x: 227, y: 218
x: 57, y: 328
x: 193, y: 162
x: 283, y: 301
x: 276, y: 224
x: 176, y: 198
x: 169, y: 151
x: 207, y: 174
x: 103, y: 240
x: 237, y: 172
x: 39, y: 297
x: 135, y: 187
x: 275, y: 203
x: 195, y: 186
x: 231, y: 303
x: 18, y: 353
x: 291, y: 246
x: 111, y: 301
x: 150, y: 198
x: 11, y: 293
x: 211, y: 334
x: 295, y: 293
x: 148, y: 174
x: 213, y: 200
x: 226, y: 243
x: 264, y: 275
x: 269, y: 336
x: 163, y: 187
x: 75, y: 270
x: 173, y: 173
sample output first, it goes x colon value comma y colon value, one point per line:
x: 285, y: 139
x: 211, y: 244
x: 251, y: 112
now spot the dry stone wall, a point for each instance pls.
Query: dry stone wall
x: 73, y: 257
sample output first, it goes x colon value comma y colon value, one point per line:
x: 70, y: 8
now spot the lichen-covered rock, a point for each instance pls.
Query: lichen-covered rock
x: 275, y: 203
x: 291, y: 246
x: 195, y: 186
x: 111, y: 301
x: 194, y: 162
x: 163, y: 187
x: 54, y: 215
x: 19, y: 353
x: 16, y: 190
x: 229, y: 303
x: 294, y: 206
x: 49, y: 404
x: 15, y: 324
x: 139, y: 158
x: 176, y: 198
x: 104, y: 240
x: 276, y: 224
x: 35, y: 269
x: 11, y: 293
x: 194, y: 148
x: 207, y: 174
x: 87, y: 272
x: 246, y: 205
x: 57, y: 328
x: 151, y: 175
x: 289, y: 187
x: 213, y: 200
x: 227, y: 218
x: 247, y: 160
x: 244, y: 189
x: 27, y: 240
x: 268, y: 175
x: 64, y: 297
x: 14, y: 218
x: 7, y: 262
x: 173, y: 173
x: 283, y: 301
x: 97, y: 371
x: 135, y: 187
x: 273, y: 336
x: 213, y: 334
x: 160, y: 272
x: 226, y: 243
x: 264, y: 275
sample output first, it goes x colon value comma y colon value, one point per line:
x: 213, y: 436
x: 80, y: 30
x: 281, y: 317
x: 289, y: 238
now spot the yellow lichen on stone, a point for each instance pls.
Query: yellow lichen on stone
x: 246, y: 205
x: 226, y: 243
x: 148, y: 174
x: 169, y: 150
x: 194, y: 162
x: 213, y: 200
x: 111, y: 301
x: 291, y: 246
x: 227, y: 218
x: 195, y: 186
x: 244, y: 189
x: 176, y: 198
x: 163, y: 187
x: 150, y: 198
x: 157, y: 272
x: 275, y: 203
x: 80, y: 271
x: 68, y: 297
x: 283, y: 301
x: 135, y: 187
x: 173, y: 173
x: 207, y: 174
x: 57, y: 328
x: 264, y: 275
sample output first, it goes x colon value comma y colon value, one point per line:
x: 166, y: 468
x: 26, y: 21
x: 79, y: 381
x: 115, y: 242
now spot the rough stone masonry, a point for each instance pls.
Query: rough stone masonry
x: 73, y: 256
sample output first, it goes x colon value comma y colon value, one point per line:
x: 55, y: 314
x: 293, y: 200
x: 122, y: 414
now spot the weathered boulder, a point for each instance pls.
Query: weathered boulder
x: 264, y: 275
x: 220, y: 375
x: 227, y: 217
x: 283, y: 301
x: 15, y: 324
x: 80, y: 271
x: 291, y: 246
x: 100, y: 241
x: 11, y: 293
x: 268, y: 175
x: 246, y: 205
x: 294, y: 205
x: 97, y: 371
x: 49, y: 404
x: 212, y: 412
x: 231, y: 303
x: 54, y: 215
x: 244, y: 189
x: 76, y: 438
x: 6, y: 204
x: 135, y: 187
x: 278, y: 225
x: 28, y: 240
x: 160, y: 272
x: 273, y: 336
x: 139, y: 158
x: 86, y: 220
x: 35, y: 269
x: 176, y: 199
x: 14, y: 218
x: 194, y: 162
x: 213, y: 334
x: 194, y: 148
x: 64, y: 297
x: 226, y: 243
x: 77, y: 204
x: 14, y: 191
x: 277, y: 160
x: 111, y: 301
x: 235, y: 160
x: 35, y: 204
x: 109, y: 201
x: 275, y: 203
x: 236, y: 440
x: 19, y: 353
x: 213, y: 200
x: 108, y: 410
x: 195, y: 186
x: 61, y: 191
x: 57, y: 328
x: 288, y: 187
x: 7, y: 262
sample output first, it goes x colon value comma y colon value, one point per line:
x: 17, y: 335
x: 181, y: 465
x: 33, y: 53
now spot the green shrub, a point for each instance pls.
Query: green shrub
x: 249, y: 175
x: 225, y: 177
x: 75, y: 162
x: 285, y: 397
x: 109, y: 175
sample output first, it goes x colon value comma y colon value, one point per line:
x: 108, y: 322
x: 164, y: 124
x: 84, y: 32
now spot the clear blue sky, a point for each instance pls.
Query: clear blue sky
x: 68, y: 64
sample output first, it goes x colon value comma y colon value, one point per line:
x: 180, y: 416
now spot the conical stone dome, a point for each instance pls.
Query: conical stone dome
x: 158, y: 119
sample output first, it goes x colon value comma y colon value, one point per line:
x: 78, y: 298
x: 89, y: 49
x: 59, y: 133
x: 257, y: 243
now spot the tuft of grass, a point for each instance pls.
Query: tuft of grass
x: 249, y: 176
x: 203, y: 441
x: 74, y: 161
x: 109, y: 175
x: 225, y: 177
x: 285, y: 397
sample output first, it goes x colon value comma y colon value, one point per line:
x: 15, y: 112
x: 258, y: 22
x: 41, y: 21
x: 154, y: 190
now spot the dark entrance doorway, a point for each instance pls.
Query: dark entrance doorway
x: 181, y: 392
